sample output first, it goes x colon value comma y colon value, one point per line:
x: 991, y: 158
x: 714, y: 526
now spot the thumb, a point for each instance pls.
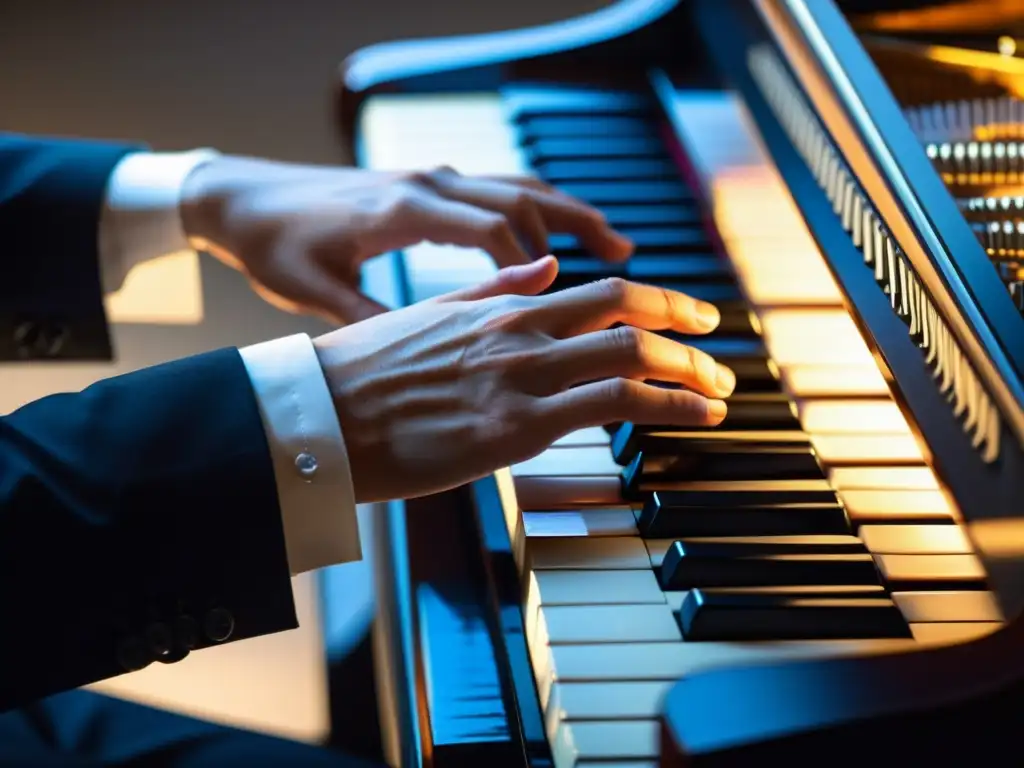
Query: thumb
x: 520, y: 279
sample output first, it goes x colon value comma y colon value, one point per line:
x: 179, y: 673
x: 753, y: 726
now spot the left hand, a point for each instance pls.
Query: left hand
x: 301, y: 233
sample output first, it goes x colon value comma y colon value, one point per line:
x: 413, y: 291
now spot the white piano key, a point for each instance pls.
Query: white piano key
x: 469, y: 132
x: 656, y: 549
x: 896, y: 448
x: 581, y: 522
x: 586, y: 436
x: 833, y: 381
x: 888, y: 478
x: 948, y: 606
x: 598, y: 553
x: 814, y: 337
x: 930, y: 568
x: 767, y: 241
x: 865, y: 506
x: 606, y: 701
x: 915, y: 539
x: 569, y: 461
x: 846, y: 417
x: 604, y: 740
x: 672, y: 661
x: 645, y: 623
x: 952, y: 633
x: 578, y: 587
x: 560, y: 492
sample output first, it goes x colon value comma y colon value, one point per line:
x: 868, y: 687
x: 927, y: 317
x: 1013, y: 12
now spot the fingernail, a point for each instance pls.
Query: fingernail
x: 708, y: 316
x: 716, y: 411
x: 725, y: 380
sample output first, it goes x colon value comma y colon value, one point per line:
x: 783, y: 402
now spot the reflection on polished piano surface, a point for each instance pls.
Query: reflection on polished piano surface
x: 843, y: 558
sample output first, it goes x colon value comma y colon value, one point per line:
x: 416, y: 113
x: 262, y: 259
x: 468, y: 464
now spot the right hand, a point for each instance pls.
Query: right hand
x: 443, y: 392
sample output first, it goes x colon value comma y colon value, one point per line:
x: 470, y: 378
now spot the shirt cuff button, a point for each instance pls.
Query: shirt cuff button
x: 306, y: 464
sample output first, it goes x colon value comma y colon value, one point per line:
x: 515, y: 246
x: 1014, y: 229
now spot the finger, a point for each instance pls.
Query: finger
x: 603, y: 303
x: 636, y: 354
x: 522, y: 280
x: 452, y: 222
x: 613, y: 400
x: 515, y: 202
x: 307, y: 287
x: 535, y: 210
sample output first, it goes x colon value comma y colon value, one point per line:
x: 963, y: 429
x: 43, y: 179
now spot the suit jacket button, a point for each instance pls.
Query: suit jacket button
x: 219, y: 625
x: 186, y: 632
x: 26, y: 338
x: 53, y: 338
x: 133, y: 654
x: 159, y: 638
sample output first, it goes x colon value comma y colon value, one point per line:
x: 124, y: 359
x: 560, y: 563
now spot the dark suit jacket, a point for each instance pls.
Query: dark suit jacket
x: 139, y: 518
x: 51, y: 300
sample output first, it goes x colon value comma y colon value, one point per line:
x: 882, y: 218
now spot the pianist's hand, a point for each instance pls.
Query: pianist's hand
x: 443, y: 392
x: 301, y: 233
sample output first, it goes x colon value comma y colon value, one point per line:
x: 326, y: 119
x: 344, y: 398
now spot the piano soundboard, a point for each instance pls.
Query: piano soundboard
x: 813, y: 524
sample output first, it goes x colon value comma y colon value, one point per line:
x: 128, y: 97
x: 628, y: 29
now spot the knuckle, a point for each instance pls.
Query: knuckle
x: 497, y: 228
x: 443, y: 172
x: 523, y: 202
x: 430, y: 178
x: 614, y: 289
x: 632, y: 340
x: 621, y: 392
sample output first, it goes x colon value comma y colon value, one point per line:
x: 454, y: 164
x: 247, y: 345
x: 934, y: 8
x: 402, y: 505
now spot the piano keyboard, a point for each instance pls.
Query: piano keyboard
x: 807, y: 524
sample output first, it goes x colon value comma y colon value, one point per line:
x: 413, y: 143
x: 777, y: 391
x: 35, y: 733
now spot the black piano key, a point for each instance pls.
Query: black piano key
x: 629, y: 438
x: 602, y: 193
x: 732, y: 547
x: 569, y: 127
x: 711, y: 615
x: 524, y: 102
x: 728, y: 462
x: 756, y: 412
x: 683, y: 498
x: 662, y: 239
x: 606, y: 169
x: 661, y: 521
x: 594, y: 146
x: 692, y: 267
x: 721, y: 568
x: 630, y: 217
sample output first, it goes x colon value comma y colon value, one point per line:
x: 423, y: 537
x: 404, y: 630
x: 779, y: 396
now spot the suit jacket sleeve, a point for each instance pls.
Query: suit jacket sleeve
x: 51, y: 297
x: 139, y: 519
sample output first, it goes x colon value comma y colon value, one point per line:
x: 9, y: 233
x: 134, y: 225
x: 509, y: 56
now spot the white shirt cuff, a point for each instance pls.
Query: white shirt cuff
x: 141, y: 219
x: 314, y: 480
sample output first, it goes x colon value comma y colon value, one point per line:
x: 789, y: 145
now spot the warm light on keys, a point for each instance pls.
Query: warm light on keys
x: 833, y: 380
x: 780, y: 273
x: 906, y: 478
x: 867, y: 449
x: 814, y: 337
x: 843, y: 417
x: 751, y: 202
x: 882, y: 504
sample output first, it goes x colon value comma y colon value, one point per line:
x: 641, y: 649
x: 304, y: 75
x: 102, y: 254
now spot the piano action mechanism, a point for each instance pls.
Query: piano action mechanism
x: 841, y: 560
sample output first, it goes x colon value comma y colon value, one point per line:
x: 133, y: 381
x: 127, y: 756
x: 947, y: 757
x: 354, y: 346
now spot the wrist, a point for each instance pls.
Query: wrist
x: 206, y: 194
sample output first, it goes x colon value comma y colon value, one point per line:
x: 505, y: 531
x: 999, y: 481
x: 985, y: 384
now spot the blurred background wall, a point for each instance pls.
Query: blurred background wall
x: 248, y: 77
